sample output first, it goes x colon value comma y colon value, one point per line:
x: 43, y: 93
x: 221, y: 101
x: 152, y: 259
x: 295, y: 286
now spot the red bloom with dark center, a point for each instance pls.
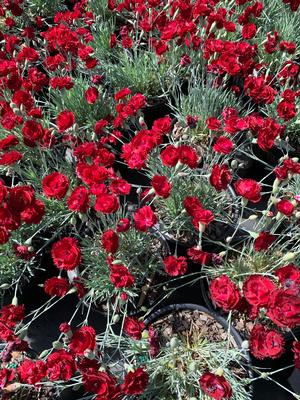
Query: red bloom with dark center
x: 66, y: 253
x: 289, y: 276
x: 263, y: 241
x: 161, y: 186
x: 133, y: 327
x: 135, y: 382
x: 55, y: 185
x: 65, y: 120
x: 56, y: 286
x: 249, y: 189
x: 258, y: 289
x: 175, y: 266
x: 220, y: 177
x: 225, y: 293
x: 144, y: 218
x: 215, y: 386
x: 83, y: 339
x: 266, y: 343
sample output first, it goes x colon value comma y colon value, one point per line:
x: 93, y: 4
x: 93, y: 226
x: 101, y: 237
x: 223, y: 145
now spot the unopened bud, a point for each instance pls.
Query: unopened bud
x: 14, y: 301
x: 245, y: 344
x: 297, y: 215
x: 228, y: 239
x: 252, y: 217
x: 219, y: 372
x: 234, y: 164
x: 57, y: 345
x: 4, y: 286
x: 289, y: 256
x: 174, y: 342
x: 116, y: 319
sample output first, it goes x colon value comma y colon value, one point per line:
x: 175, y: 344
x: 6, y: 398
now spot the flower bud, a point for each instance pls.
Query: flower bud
x: 57, y: 345
x: 174, y: 342
x: 14, y: 301
x: 116, y: 319
x: 289, y: 256
x: 252, y: 217
x: 219, y: 371
x: 4, y: 286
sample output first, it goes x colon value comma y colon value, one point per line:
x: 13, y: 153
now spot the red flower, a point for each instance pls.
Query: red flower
x: 289, y: 276
x: 223, y: 145
x: 110, y: 241
x: 60, y: 366
x: 31, y: 372
x: 122, y: 93
x: 34, y: 213
x: 56, y: 286
x: 120, y: 187
x: 162, y: 126
x: 11, y: 157
x: 135, y: 382
x: 284, y: 308
x: 11, y: 314
x: 188, y: 156
x: 263, y: 241
x: 258, y: 289
x: 65, y: 120
x: 249, y: 189
x: 161, y: 186
x: 296, y: 350
x: 213, y: 124
x: 79, y: 199
x: 175, y: 266
x: 266, y: 342
x: 21, y: 197
x: 220, y: 177
x: 107, y: 203
x: 286, y: 110
x: 215, y: 386
x: 199, y: 256
x: 24, y: 252
x: 144, y: 218
x: 123, y: 225
x: 66, y: 253
x: 120, y: 277
x: 133, y: 327
x: 55, y: 185
x: 91, y: 95
x: 83, y: 339
x: 170, y: 156
x: 32, y: 131
x: 100, y: 383
x: 225, y: 293
x: 285, y: 207
x: 249, y: 30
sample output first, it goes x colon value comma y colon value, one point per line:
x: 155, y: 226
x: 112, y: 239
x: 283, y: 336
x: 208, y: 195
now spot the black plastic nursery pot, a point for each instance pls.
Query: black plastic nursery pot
x: 170, y: 309
x: 284, y: 364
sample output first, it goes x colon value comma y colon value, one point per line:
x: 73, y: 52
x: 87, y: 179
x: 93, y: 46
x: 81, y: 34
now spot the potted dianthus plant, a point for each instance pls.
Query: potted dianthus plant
x: 181, y: 351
